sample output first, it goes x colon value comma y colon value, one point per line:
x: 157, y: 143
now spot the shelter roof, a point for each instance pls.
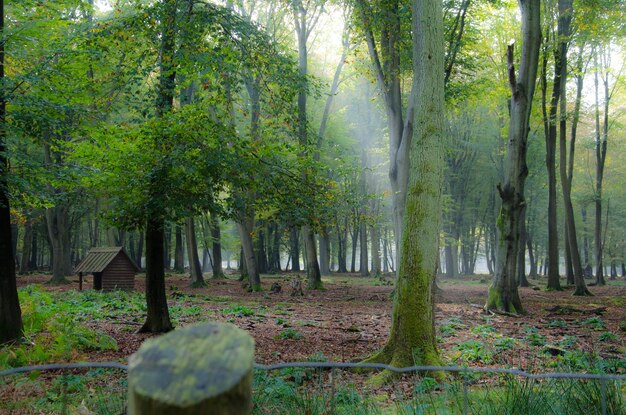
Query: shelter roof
x: 99, y: 258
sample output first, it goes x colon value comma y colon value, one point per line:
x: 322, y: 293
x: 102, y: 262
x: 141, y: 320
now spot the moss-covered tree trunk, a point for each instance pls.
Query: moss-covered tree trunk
x: 503, y: 294
x: 412, y: 337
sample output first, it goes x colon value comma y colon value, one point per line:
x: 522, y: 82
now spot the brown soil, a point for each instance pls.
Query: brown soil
x: 350, y: 319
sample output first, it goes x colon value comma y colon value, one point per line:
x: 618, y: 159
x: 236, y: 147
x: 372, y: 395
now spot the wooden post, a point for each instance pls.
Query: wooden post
x: 201, y: 369
x: 80, y: 281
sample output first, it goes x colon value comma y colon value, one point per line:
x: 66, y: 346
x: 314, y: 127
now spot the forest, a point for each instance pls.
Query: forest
x: 396, y: 182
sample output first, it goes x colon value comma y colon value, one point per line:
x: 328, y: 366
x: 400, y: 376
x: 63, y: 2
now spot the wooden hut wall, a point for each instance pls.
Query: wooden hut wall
x: 119, y: 275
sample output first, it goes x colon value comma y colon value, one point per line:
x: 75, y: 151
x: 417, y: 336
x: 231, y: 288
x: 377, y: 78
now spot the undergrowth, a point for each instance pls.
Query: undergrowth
x: 56, y: 330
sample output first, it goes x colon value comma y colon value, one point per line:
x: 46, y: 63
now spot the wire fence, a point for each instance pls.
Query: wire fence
x: 88, y: 388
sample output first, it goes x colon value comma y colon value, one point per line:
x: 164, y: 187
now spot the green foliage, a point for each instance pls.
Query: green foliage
x: 547, y: 397
x: 622, y: 325
x: 594, y: 322
x: 238, y: 310
x: 291, y: 392
x: 289, y: 333
x: 504, y: 343
x: 568, y: 342
x: 483, y: 329
x: 557, y: 323
x: 535, y: 339
x: 607, y: 336
x: 473, y: 351
x: 450, y: 327
x: 55, y: 329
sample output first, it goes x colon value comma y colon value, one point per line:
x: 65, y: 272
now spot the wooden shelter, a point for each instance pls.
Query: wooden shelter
x: 111, y: 267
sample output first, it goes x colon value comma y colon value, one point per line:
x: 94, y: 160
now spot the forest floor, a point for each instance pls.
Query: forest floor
x: 351, y: 317
x: 346, y: 322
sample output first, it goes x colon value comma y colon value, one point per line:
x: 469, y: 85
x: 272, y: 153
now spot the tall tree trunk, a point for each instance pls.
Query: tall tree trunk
x: 550, y: 127
x: 601, y: 146
x: 324, y: 251
x: 261, y: 251
x: 575, y: 273
x: 521, y: 258
x: 216, y: 248
x: 179, y: 256
x: 385, y: 256
x: 57, y: 220
x: 532, y: 273
x: 27, y: 244
x: 412, y: 338
x: 139, y: 251
x: 11, y: 328
x: 274, y: 253
x: 363, y: 254
x: 375, y: 250
x: 503, y: 294
x: 314, y: 275
x: 158, y: 319
x: 34, y: 252
x: 294, y: 244
x: 304, y: 25
x: 197, y: 279
x: 355, y: 237
x: 245, y: 226
x: 342, y: 247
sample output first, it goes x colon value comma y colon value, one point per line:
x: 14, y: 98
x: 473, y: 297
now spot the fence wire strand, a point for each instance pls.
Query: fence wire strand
x: 342, y: 365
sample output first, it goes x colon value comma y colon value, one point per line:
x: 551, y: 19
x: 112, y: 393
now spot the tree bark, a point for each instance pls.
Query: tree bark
x: 521, y: 258
x: 600, y: 147
x: 550, y: 127
x: 245, y: 226
x: 342, y: 247
x: 412, y: 337
x: 375, y: 250
x: 11, y: 328
x: 386, y: 66
x: 503, y: 294
x: 363, y: 254
x: 304, y: 23
x: 158, y: 319
x: 216, y: 246
x: 294, y: 248
x: 57, y: 220
x: 197, y: 279
x: 354, y: 233
x: 179, y: 256
x: 574, y: 265
x: 324, y: 251
x: 27, y: 244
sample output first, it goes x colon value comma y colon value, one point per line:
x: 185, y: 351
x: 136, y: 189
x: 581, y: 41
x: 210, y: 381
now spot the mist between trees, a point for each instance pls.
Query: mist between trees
x: 403, y: 140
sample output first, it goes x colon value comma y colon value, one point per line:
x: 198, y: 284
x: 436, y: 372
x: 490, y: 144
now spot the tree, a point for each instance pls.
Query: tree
x: 565, y: 168
x: 503, y: 294
x: 550, y: 126
x: 158, y: 318
x: 11, y: 328
x: 386, y: 63
x: 305, y: 18
x: 412, y: 337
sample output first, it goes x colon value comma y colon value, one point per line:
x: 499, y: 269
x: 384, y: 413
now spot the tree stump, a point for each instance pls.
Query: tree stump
x: 200, y: 369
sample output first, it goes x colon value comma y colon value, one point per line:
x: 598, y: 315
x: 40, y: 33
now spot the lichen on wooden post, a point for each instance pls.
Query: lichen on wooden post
x: 200, y: 369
